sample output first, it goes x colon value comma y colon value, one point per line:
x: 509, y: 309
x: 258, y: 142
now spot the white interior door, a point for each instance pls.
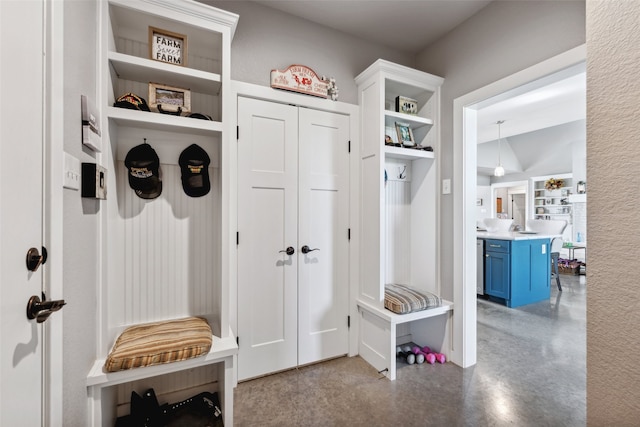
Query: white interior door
x: 293, y: 182
x: 268, y: 224
x: 21, y: 164
x: 323, y: 274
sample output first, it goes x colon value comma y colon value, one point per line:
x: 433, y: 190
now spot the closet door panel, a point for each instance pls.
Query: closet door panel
x: 323, y: 224
x: 267, y: 224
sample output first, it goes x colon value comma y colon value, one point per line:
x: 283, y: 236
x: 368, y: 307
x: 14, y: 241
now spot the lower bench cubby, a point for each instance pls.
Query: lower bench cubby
x: 381, y: 331
x: 109, y: 393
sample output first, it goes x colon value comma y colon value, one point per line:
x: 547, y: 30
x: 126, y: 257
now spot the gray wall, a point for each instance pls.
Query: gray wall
x: 501, y: 39
x: 267, y: 39
x: 613, y: 336
x: 80, y: 228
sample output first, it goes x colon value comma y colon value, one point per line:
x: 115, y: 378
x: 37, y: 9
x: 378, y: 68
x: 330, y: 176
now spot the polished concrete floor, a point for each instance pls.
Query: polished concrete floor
x: 531, y: 371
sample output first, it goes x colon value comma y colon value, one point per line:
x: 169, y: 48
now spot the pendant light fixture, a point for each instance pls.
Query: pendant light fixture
x: 499, y: 170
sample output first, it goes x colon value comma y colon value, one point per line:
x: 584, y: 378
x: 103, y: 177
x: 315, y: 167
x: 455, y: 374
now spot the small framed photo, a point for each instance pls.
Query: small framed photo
x: 405, y: 135
x: 169, y: 99
x: 167, y: 46
x: 406, y: 105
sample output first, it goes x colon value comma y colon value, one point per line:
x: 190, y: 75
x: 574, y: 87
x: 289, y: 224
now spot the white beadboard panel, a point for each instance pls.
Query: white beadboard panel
x: 398, y: 229
x: 170, y: 252
x: 168, y: 145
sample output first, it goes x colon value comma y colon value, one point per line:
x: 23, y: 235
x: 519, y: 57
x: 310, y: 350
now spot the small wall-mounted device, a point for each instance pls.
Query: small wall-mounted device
x: 90, y: 125
x: 94, y: 181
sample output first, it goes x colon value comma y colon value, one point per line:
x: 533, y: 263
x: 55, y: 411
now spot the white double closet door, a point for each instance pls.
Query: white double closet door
x: 293, y: 191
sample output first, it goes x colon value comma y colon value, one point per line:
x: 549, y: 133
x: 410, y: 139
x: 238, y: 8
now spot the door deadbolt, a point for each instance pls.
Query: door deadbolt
x: 34, y: 259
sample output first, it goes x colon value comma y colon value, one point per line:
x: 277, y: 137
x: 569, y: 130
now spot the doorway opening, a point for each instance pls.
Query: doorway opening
x: 465, y: 154
x: 514, y: 198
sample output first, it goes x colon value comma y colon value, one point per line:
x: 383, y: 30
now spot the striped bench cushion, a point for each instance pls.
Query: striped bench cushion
x: 402, y: 299
x: 160, y: 342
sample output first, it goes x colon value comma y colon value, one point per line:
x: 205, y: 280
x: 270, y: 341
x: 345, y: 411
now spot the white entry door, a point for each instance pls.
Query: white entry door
x: 21, y: 154
x: 292, y: 192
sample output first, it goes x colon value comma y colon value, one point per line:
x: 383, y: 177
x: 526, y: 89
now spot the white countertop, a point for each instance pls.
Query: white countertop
x: 513, y: 235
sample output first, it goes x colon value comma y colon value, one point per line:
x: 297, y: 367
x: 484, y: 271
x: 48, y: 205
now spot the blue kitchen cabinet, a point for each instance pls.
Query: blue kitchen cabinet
x: 497, y: 268
x: 517, y: 272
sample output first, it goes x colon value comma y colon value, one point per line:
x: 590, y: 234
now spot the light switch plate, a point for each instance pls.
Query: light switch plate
x: 446, y: 186
x: 71, y: 178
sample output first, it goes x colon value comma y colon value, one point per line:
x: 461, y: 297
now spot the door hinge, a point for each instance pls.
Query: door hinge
x: 237, y: 238
x: 237, y: 132
x: 348, y: 234
x: 348, y: 321
x: 349, y: 146
x: 238, y: 341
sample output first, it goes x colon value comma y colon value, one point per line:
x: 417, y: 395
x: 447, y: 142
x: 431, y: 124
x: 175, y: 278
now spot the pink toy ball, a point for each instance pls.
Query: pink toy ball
x: 431, y: 358
x: 441, y: 358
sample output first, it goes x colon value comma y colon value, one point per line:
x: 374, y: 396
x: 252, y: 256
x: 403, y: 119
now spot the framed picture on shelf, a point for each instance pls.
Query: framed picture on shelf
x: 405, y: 134
x: 167, y: 46
x: 169, y: 99
x: 406, y: 105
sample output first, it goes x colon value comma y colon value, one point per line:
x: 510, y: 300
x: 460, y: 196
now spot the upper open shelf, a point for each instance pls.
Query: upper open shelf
x: 129, y: 67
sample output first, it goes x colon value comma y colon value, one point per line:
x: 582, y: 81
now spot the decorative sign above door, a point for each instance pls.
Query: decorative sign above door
x: 302, y: 79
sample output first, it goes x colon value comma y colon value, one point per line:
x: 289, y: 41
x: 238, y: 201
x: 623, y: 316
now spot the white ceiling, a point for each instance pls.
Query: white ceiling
x: 550, y: 102
x: 408, y: 26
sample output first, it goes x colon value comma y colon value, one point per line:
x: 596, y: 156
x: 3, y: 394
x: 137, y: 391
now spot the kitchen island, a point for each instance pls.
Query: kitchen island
x: 517, y: 266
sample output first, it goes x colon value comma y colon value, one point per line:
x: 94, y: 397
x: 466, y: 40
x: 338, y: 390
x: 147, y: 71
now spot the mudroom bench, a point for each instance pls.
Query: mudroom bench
x: 217, y: 363
x: 381, y: 331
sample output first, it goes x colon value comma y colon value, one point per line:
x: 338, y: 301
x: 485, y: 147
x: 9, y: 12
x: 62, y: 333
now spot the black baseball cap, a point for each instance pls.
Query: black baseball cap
x: 200, y: 116
x: 194, y: 167
x: 144, y: 171
x: 131, y: 101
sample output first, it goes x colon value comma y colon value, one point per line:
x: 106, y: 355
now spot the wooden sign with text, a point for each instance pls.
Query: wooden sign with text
x: 301, y: 79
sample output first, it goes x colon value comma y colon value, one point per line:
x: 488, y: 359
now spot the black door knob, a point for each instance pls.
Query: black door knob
x: 305, y: 249
x: 289, y: 250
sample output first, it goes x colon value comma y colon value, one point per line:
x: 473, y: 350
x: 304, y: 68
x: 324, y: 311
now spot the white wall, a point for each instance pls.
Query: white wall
x: 81, y: 216
x: 501, y: 39
x: 484, y: 194
x: 613, y: 89
x: 267, y: 39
